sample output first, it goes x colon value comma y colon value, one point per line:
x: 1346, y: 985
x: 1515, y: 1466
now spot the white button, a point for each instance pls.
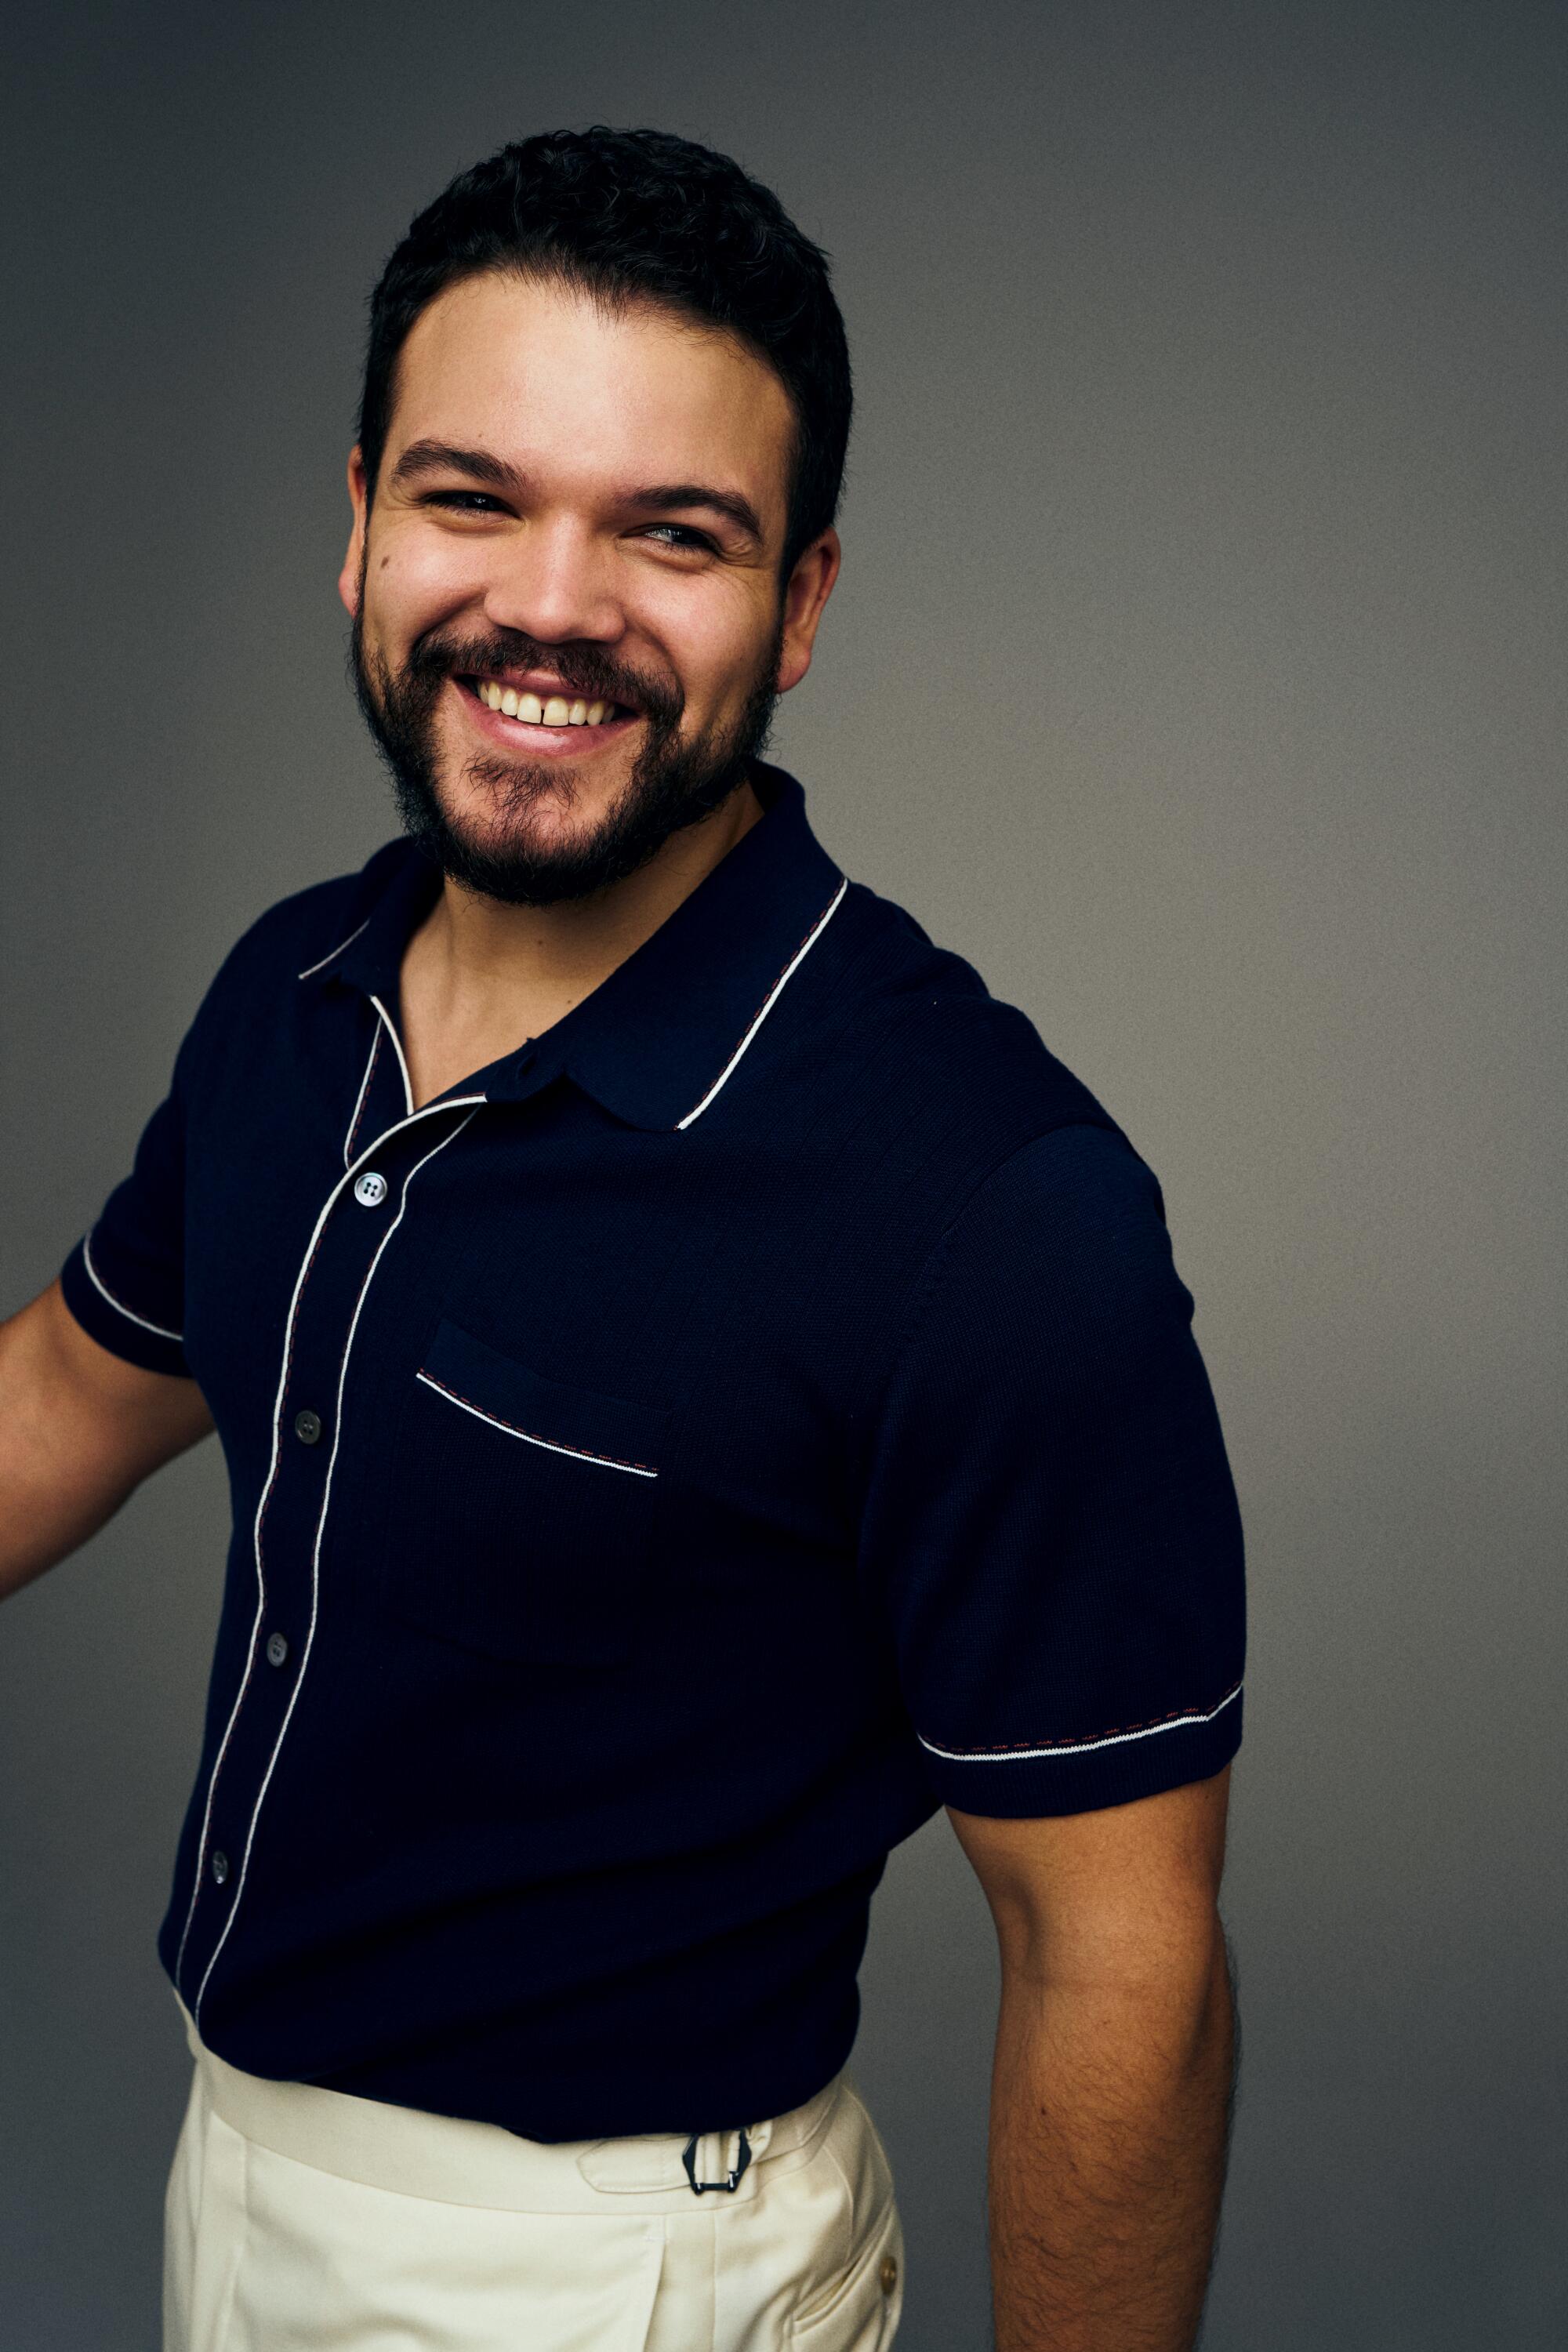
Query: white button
x: 370, y: 1191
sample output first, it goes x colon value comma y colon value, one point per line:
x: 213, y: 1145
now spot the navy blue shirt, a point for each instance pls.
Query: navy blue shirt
x: 665, y: 1466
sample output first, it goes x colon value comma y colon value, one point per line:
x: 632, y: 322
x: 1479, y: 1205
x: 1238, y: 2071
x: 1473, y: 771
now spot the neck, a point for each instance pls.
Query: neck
x: 479, y: 977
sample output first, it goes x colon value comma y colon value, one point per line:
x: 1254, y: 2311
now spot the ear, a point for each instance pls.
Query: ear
x: 809, y: 587
x: 353, y: 573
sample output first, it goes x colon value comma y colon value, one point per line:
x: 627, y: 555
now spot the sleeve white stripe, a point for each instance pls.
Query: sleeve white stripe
x: 1078, y: 1746
x: 156, y: 1328
x: 770, y: 1001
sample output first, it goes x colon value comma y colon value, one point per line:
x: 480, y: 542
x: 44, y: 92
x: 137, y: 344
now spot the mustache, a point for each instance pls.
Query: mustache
x: 583, y: 670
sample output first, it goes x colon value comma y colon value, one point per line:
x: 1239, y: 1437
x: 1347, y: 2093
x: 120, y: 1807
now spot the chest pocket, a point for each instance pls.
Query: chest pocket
x: 521, y: 1512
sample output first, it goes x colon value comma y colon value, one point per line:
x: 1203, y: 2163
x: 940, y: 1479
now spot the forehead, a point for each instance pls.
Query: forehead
x: 553, y: 381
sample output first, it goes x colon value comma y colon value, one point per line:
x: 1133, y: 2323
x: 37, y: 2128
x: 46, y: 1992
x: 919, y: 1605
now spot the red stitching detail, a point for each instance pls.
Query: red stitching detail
x: 1176, y: 1714
x: 586, y: 1452
x: 365, y: 1085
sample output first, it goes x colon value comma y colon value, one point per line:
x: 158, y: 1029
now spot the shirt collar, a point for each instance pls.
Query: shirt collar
x: 655, y: 1041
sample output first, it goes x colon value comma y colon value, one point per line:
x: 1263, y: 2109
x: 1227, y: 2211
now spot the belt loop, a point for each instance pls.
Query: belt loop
x: 731, y: 2180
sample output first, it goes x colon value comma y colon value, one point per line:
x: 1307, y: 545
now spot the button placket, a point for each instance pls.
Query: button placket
x: 341, y: 1259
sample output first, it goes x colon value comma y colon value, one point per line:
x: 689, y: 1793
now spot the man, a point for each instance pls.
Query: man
x: 701, y: 1387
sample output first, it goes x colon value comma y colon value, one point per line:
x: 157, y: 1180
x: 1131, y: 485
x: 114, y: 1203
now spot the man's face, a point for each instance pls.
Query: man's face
x: 578, y: 517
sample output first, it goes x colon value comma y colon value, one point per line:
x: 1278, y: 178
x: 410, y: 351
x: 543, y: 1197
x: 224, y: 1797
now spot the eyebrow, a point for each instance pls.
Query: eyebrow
x: 667, y: 497
x: 424, y: 458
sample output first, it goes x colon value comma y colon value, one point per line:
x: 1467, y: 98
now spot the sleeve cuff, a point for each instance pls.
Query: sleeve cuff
x: 123, y: 1329
x: 1080, y: 1776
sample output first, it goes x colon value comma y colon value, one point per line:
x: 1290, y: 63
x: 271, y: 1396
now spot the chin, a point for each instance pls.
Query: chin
x: 549, y: 810
x: 539, y: 845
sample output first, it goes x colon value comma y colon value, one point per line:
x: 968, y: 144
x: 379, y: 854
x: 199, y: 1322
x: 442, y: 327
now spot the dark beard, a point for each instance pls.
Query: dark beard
x: 672, y: 785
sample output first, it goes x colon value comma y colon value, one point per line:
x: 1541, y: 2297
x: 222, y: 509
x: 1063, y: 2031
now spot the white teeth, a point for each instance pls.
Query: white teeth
x: 555, y: 713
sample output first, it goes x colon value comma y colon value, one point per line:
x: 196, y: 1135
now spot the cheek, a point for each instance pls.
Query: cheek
x: 412, y: 582
x: 714, y: 641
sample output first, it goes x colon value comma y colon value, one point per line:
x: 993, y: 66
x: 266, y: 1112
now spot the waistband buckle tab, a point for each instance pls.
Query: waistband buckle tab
x: 731, y: 2180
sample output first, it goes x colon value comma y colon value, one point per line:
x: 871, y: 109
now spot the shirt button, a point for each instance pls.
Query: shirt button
x: 307, y: 1426
x: 220, y: 1868
x: 370, y: 1191
x: 887, y: 2276
x: 276, y: 1649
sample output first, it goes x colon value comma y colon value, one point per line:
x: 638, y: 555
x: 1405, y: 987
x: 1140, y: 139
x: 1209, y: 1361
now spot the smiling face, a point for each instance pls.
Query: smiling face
x: 569, y: 626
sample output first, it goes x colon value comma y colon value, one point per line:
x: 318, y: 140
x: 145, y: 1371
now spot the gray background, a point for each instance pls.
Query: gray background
x: 1196, y: 668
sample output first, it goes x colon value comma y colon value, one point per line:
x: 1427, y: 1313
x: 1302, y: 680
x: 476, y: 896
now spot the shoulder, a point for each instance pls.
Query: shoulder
x: 292, y: 937
x: 1053, y: 1293
x: 297, y: 934
x: 963, y: 1080
x: 1075, y: 1216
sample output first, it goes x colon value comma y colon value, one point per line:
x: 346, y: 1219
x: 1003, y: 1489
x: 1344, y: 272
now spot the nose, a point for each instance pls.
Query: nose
x: 552, y: 582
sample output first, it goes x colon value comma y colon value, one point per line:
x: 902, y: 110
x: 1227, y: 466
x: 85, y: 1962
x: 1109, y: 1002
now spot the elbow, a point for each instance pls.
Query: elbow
x: 1173, y: 1956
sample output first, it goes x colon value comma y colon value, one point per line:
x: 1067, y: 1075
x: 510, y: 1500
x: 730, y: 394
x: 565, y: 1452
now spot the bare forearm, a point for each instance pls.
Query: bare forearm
x: 1110, y: 2123
x: 79, y: 1430
x: 48, y: 1509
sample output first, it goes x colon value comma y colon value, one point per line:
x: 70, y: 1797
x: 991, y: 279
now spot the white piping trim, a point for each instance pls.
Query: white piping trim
x: 770, y: 1001
x: 316, y: 1560
x: 429, y: 1111
x: 359, y: 1099
x: 632, y: 1469
x: 1079, y: 1747
x: 156, y: 1328
x: 398, y: 1043
x: 326, y: 960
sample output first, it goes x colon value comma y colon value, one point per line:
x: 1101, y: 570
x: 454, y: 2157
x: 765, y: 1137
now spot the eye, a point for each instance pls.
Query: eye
x: 683, y: 535
x: 464, y: 501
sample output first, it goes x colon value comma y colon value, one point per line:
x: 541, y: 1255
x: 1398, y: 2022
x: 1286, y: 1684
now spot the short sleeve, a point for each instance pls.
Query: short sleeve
x: 1049, y: 1524
x: 124, y: 1281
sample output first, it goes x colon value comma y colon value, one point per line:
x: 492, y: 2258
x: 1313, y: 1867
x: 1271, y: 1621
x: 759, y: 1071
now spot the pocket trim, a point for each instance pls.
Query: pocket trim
x: 850, y: 2286
x: 529, y: 1437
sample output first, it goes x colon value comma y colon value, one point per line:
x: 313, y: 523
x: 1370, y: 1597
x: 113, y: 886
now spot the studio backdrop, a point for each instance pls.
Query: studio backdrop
x: 1196, y: 670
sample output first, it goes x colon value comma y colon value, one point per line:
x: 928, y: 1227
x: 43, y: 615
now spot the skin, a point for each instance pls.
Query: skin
x: 1111, y: 2081
x: 79, y: 1430
x: 1114, y: 2047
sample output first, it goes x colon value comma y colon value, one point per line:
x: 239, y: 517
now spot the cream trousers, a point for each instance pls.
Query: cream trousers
x: 299, y: 2220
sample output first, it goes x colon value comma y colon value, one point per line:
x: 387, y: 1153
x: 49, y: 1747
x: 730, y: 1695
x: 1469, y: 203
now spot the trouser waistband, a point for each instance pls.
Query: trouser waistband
x: 457, y: 2161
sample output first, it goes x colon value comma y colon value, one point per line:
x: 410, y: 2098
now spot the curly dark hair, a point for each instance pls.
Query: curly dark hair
x: 637, y: 216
